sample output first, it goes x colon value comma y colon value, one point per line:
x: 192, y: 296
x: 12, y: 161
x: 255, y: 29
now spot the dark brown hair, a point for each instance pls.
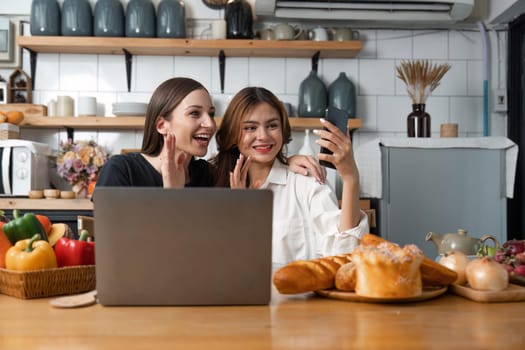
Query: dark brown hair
x: 166, y: 97
x: 230, y: 130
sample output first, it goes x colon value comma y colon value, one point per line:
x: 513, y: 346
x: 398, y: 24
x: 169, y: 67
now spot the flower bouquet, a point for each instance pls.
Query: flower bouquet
x: 79, y: 163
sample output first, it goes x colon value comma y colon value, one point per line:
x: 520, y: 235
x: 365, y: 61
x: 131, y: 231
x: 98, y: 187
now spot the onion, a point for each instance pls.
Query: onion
x: 486, y: 274
x: 456, y: 261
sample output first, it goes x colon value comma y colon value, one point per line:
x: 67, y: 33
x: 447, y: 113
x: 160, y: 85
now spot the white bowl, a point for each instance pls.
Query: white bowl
x: 129, y: 108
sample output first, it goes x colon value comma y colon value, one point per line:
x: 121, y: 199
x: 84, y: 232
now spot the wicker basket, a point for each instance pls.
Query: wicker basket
x: 47, y: 283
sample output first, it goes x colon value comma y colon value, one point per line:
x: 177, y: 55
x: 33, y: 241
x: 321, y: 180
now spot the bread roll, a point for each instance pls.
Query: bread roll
x: 432, y: 273
x: 345, y: 277
x: 388, y: 271
x: 309, y: 275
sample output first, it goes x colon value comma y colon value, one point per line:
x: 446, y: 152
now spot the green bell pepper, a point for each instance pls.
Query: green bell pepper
x: 23, y: 227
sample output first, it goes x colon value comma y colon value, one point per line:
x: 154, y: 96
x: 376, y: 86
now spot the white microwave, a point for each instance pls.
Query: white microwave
x: 25, y: 167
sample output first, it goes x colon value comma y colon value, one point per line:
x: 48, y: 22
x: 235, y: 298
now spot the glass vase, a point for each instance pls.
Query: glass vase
x: 418, y: 122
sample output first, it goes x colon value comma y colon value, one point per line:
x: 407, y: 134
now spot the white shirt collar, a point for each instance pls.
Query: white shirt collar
x: 277, y: 175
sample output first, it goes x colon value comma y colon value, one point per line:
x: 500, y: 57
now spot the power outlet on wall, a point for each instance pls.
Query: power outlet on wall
x: 500, y: 100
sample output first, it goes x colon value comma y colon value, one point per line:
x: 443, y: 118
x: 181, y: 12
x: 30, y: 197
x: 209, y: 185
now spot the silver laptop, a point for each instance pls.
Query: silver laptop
x: 192, y: 246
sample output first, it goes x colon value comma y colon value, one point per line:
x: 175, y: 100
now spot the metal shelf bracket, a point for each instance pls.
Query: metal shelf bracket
x: 222, y: 65
x: 129, y: 60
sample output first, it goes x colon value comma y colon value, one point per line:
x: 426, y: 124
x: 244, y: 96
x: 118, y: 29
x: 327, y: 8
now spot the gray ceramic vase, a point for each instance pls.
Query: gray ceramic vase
x: 140, y: 19
x: 45, y: 17
x: 342, y: 95
x: 77, y: 18
x: 313, y: 97
x: 171, y: 19
x: 109, y: 18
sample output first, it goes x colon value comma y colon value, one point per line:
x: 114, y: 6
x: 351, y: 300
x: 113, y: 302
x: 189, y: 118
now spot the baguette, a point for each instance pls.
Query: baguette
x: 345, y: 278
x: 303, y: 276
x: 432, y: 273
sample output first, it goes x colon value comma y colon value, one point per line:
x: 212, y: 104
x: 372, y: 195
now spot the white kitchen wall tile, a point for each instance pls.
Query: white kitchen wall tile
x: 198, y: 10
x: 78, y: 72
x: 498, y: 124
x: 334, y: 66
x: 46, y: 136
x: 368, y: 38
x: 297, y: 69
x: 114, y: 141
x: 235, y: 75
x: 133, y: 97
x: 376, y: 77
x: 401, y: 87
x: 468, y: 113
x: 298, y: 140
x: 438, y: 108
x: 221, y: 101
x: 465, y: 45
x: 198, y: 68
x: 105, y: 101
x: 152, y: 71
x: 454, y: 82
x: 430, y: 44
x: 268, y: 73
x: 475, y: 78
x: 392, y: 112
x: 47, y: 72
x: 45, y: 96
x: 394, y: 43
x: 361, y: 138
x: 112, y: 72
x: 80, y: 135
x: 367, y: 112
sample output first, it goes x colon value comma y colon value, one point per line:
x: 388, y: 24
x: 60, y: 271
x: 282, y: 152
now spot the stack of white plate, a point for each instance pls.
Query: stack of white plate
x: 129, y: 109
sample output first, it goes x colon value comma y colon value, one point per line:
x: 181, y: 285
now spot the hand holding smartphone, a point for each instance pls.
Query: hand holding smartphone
x: 339, y: 118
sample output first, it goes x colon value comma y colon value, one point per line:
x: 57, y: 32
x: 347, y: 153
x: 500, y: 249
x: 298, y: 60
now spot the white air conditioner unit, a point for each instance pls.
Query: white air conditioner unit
x: 371, y: 11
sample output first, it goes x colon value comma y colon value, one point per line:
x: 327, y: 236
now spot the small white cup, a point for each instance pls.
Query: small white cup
x: 87, y: 105
x: 318, y: 34
x: 52, y: 108
x: 65, y: 106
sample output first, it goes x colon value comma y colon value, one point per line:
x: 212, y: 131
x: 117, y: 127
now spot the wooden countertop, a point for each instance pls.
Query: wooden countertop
x: 290, y: 322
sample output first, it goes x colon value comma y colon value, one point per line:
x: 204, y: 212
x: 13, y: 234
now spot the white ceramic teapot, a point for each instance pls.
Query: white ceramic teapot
x: 285, y: 31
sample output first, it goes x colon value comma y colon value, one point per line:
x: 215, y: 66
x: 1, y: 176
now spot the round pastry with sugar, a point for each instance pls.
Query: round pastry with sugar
x: 388, y: 271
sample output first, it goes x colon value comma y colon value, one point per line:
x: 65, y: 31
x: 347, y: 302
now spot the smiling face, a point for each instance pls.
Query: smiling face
x: 261, y: 134
x: 192, y: 123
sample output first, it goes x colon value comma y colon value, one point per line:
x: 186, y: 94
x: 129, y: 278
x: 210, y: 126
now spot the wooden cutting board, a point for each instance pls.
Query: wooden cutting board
x: 513, y: 293
x: 351, y: 296
x: 29, y: 110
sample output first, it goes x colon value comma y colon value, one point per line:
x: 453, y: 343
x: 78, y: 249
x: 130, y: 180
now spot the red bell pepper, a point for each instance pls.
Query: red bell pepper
x: 71, y: 252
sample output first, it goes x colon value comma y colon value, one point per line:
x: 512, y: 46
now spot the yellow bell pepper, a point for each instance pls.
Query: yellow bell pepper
x: 30, y: 254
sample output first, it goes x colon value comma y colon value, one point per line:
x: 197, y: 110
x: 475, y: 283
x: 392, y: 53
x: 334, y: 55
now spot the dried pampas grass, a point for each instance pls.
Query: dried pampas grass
x: 421, y: 78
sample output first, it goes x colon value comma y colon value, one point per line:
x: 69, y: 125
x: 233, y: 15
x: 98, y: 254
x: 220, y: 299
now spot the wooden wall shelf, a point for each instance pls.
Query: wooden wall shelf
x: 9, y: 203
x: 137, y: 123
x: 190, y: 47
x: 186, y: 47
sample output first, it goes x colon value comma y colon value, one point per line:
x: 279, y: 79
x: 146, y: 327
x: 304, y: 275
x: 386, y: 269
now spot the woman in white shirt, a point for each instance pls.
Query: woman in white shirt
x: 307, y: 221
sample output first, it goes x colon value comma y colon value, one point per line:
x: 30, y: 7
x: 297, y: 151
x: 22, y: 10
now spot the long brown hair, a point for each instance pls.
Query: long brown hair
x: 166, y: 97
x: 230, y: 130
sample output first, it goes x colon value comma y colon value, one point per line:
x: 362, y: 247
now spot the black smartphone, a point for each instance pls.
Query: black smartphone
x: 339, y: 118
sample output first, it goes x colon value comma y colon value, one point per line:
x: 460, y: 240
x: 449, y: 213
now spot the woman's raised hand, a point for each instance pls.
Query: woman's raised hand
x: 172, y: 165
x: 239, y: 174
x: 340, y: 144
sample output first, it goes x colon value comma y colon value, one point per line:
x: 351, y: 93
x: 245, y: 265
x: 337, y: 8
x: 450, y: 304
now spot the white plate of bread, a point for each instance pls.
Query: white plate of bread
x: 376, y: 271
